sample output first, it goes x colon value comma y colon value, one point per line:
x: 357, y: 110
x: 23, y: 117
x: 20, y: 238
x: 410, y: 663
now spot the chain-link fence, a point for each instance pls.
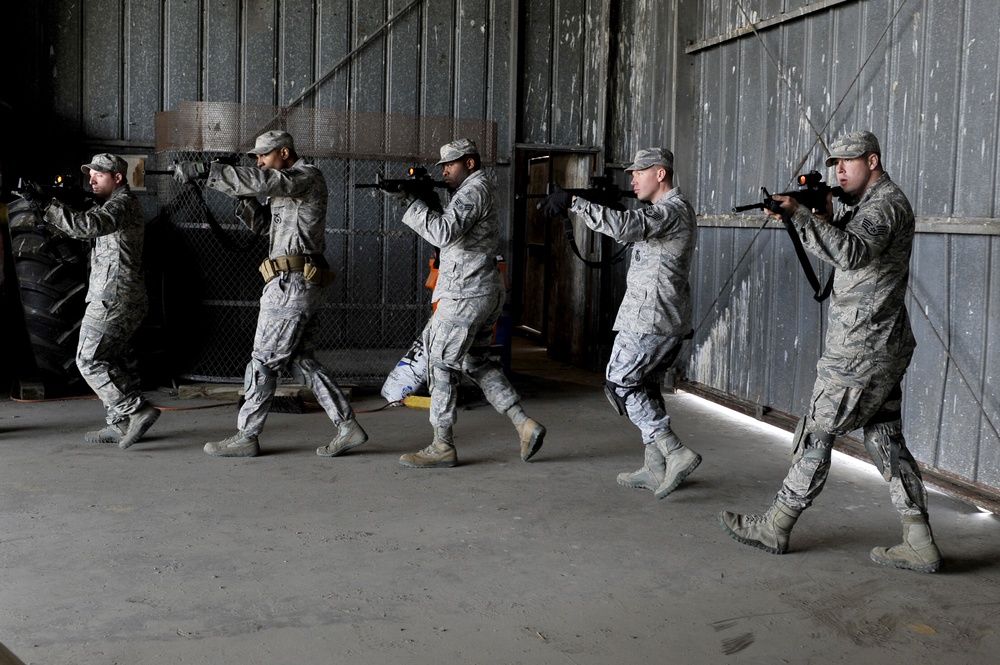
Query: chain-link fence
x: 378, y: 303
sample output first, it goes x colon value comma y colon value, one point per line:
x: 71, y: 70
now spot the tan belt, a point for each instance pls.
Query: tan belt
x: 271, y: 268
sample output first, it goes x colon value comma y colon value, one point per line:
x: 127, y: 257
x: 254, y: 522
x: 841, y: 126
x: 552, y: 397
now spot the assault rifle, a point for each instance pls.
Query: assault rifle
x: 416, y: 179
x: 230, y: 159
x: 417, y: 182
x: 601, y: 189
x: 812, y: 193
x: 63, y: 188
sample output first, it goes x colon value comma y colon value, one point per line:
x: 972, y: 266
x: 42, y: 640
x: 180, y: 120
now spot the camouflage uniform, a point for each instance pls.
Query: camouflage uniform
x: 469, y: 294
x: 116, y: 296
x: 868, y: 346
x: 296, y: 215
x: 655, y: 314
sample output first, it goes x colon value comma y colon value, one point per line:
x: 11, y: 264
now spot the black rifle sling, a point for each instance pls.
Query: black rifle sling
x: 820, y: 293
x: 603, y: 263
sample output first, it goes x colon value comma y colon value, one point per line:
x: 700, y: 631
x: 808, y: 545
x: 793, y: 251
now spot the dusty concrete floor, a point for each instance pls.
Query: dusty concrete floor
x: 161, y: 554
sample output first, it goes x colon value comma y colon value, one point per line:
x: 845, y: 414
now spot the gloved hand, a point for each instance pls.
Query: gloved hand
x: 556, y: 203
x: 185, y: 172
x: 32, y: 191
x: 432, y: 199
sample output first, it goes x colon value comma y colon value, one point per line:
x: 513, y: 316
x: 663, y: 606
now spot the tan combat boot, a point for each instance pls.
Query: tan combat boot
x: 111, y: 434
x: 349, y: 435
x: 440, y: 454
x: 238, y: 445
x: 531, y: 435
x: 917, y: 551
x: 138, y: 424
x: 650, y: 476
x: 769, y: 532
x: 680, y: 462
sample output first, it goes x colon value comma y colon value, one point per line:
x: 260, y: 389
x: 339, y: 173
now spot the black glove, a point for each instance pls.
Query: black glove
x: 32, y: 191
x: 556, y: 203
x: 432, y: 199
x: 185, y: 172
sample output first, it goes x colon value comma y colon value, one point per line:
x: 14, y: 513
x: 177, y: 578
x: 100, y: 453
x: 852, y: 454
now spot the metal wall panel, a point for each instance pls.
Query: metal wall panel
x: 142, y: 86
x: 181, y: 53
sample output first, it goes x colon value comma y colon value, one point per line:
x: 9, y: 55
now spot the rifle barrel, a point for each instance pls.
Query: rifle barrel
x: 752, y: 206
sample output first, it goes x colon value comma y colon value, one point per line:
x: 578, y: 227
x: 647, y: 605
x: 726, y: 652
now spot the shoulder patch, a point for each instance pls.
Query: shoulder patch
x: 874, y: 227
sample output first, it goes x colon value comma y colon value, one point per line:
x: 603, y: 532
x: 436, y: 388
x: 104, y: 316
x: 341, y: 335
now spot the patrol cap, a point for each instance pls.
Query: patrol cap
x: 651, y: 157
x: 106, y: 163
x: 457, y: 149
x: 851, y: 145
x: 273, y: 140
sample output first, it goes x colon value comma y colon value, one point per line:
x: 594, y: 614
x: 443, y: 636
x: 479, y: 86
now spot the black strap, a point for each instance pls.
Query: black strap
x: 819, y: 293
x: 603, y: 263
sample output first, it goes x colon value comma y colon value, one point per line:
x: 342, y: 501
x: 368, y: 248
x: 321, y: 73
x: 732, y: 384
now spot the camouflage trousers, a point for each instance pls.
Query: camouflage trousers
x: 839, y: 407
x: 103, y: 355
x: 636, y: 367
x: 457, y: 340
x: 282, y: 340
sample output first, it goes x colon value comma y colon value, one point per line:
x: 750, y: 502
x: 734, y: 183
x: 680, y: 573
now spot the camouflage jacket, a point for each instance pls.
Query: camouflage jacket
x: 117, y: 228
x: 657, y: 294
x: 869, y: 244
x: 468, y: 235
x: 296, y: 207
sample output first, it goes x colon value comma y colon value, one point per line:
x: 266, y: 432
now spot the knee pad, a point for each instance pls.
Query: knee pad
x: 618, y: 399
x: 801, y: 443
x: 883, y: 441
x: 303, y: 369
x: 255, y: 369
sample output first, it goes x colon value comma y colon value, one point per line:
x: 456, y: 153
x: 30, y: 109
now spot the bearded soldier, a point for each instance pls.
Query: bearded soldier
x: 868, y: 348
x: 294, y: 273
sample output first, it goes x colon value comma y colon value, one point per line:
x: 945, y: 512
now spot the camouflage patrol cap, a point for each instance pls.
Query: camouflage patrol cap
x: 651, y: 157
x: 105, y: 162
x: 457, y: 149
x: 273, y: 140
x: 851, y: 145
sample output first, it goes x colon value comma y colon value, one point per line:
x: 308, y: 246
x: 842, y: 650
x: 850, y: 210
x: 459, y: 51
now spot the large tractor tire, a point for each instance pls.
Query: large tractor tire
x: 51, y: 270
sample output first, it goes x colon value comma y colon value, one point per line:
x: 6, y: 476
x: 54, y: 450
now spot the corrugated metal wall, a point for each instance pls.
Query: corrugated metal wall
x: 922, y: 76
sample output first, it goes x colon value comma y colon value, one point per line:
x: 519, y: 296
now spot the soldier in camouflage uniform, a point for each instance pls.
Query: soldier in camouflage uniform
x: 294, y: 272
x: 655, y: 315
x: 868, y: 348
x: 469, y: 294
x: 116, y: 297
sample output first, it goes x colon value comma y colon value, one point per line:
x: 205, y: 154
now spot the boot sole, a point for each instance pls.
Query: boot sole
x: 101, y: 439
x: 438, y: 465
x: 902, y: 565
x: 536, y: 444
x: 141, y: 430
x: 636, y: 486
x: 662, y: 493
x: 240, y: 453
x: 746, y: 541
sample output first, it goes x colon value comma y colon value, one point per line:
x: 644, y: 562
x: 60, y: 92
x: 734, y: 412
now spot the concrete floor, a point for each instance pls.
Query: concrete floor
x: 161, y: 554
